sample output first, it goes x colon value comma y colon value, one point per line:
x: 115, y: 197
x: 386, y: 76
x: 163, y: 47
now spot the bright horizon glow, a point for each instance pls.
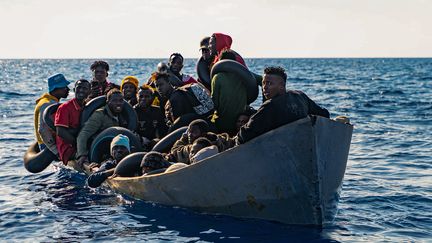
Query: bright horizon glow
x: 263, y: 28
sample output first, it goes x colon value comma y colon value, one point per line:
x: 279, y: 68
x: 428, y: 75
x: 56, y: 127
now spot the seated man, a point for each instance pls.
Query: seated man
x: 202, y: 148
x: 67, y: 121
x: 120, y: 148
x: 244, y: 117
x: 151, y: 119
x: 180, y: 152
x: 100, y: 84
x: 57, y: 89
x: 229, y: 96
x: 153, y: 161
x: 101, y: 119
x: 190, y: 99
x: 281, y: 107
x: 129, y: 88
x: 175, y: 64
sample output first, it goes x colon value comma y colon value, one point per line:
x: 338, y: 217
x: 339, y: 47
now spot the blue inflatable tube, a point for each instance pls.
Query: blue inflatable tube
x: 246, y: 77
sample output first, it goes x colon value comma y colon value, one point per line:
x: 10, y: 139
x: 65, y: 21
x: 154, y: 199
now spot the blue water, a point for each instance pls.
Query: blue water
x: 386, y: 196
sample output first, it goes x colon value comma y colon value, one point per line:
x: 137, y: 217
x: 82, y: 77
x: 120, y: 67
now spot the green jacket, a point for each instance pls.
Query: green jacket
x: 100, y: 120
x: 230, y: 99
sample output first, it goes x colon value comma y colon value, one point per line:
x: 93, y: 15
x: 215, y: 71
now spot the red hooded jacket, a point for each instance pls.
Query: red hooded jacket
x: 224, y: 42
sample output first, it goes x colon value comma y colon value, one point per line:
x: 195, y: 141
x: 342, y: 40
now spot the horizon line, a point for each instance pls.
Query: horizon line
x: 110, y: 58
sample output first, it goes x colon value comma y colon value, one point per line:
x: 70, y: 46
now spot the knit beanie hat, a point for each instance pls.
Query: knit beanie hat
x: 129, y: 79
x: 120, y: 140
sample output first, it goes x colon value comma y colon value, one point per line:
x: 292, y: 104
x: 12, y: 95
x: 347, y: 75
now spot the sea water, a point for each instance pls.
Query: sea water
x: 387, y: 189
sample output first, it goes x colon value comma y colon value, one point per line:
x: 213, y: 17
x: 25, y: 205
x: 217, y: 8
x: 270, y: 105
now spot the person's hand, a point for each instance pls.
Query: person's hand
x: 94, y: 166
x: 95, y: 88
x: 170, y: 157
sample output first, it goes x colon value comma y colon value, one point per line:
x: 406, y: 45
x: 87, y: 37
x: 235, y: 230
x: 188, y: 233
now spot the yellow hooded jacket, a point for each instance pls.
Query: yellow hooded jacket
x: 41, y: 103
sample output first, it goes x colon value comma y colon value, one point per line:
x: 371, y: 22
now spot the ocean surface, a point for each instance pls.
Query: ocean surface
x: 387, y: 189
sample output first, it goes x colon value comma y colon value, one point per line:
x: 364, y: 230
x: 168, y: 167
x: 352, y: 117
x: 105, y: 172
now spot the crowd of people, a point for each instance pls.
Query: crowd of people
x: 217, y: 113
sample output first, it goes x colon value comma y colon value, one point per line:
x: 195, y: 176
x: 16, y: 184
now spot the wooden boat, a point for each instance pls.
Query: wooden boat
x: 292, y: 175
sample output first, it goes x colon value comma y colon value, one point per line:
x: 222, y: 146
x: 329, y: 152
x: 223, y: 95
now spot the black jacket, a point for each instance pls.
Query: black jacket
x: 151, y: 122
x: 280, y: 110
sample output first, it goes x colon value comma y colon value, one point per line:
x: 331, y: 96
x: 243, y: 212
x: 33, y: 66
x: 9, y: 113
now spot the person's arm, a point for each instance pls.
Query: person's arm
x: 215, y: 90
x: 92, y: 125
x: 177, y: 105
x: 96, y: 179
x: 61, y: 122
x: 315, y: 109
x: 95, y: 89
x: 105, y: 170
x: 162, y: 128
x: 178, y: 149
x: 258, y: 124
x: 182, y: 153
x: 64, y: 133
x: 40, y: 118
x: 180, y: 143
x: 224, y: 142
x: 188, y: 79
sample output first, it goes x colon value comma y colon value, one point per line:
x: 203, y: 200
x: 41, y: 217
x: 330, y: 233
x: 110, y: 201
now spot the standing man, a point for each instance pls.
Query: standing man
x: 229, y: 96
x: 100, y: 84
x: 67, y: 121
x: 281, y: 107
x: 57, y: 89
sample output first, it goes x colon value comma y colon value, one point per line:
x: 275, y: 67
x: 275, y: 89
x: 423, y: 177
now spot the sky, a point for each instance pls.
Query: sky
x: 262, y: 28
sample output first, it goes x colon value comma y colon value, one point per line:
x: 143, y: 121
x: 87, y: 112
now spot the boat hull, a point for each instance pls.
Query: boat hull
x: 292, y: 175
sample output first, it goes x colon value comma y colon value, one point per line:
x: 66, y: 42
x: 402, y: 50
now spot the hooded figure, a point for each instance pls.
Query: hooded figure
x: 222, y: 42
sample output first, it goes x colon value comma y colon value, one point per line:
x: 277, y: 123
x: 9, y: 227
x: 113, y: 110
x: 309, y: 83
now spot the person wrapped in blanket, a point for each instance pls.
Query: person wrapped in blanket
x: 181, y: 150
